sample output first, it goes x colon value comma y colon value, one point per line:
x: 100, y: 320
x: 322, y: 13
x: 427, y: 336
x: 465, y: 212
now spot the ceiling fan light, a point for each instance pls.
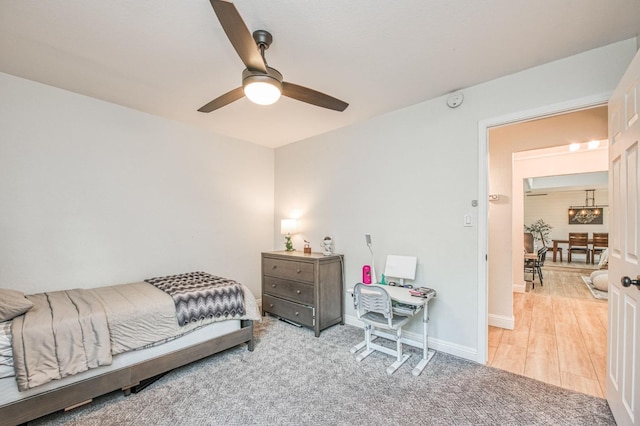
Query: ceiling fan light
x: 260, y: 88
x: 262, y: 93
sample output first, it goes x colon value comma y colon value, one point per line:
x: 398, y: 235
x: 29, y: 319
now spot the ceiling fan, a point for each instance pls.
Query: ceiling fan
x: 260, y: 83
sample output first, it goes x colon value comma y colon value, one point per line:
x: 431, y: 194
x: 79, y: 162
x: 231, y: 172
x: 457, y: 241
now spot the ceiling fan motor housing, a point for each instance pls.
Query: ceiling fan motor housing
x: 272, y: 77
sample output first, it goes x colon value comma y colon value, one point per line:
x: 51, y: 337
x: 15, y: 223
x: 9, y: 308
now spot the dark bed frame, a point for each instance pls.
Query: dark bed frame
x: 126, y: 378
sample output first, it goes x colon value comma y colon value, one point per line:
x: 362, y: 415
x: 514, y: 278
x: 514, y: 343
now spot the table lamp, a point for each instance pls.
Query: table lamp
x: 288, y: 227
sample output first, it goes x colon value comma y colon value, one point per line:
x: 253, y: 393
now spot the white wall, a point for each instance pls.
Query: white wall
x: 409, y: 177
x: 96, y: 194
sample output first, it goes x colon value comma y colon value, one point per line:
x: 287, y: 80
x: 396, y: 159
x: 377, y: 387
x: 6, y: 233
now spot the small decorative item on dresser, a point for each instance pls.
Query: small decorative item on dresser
x: 326, y: 244
x: 307, y: 247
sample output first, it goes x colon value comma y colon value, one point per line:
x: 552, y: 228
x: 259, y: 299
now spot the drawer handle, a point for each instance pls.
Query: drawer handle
x: 274, y: 267
x: 298, y: 291
x: 273, y: 285
x: 298, y: 271
x: 297, y: 313
x: 271, y: 305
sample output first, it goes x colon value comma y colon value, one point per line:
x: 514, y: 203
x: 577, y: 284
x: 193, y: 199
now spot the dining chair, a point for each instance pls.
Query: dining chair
x: 544, y: 243
x: 600, y: 244
x: 535, y: 265
x: 528, y: 242
x: 579, y: 243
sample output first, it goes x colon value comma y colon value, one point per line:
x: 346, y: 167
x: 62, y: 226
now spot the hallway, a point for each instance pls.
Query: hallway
x: 559, y: 335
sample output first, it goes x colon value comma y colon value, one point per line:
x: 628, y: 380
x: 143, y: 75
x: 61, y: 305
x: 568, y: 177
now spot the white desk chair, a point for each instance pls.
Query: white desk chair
x: 373, y: 307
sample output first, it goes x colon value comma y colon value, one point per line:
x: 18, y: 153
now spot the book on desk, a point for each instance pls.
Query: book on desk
x: 423, y: 292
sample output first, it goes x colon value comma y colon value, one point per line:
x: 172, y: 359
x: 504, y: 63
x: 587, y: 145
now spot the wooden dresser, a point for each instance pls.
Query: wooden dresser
x: 304, y: 288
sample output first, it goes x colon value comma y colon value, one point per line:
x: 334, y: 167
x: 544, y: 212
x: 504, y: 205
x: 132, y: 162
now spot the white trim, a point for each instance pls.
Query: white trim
x: 465, y: 352
x: 519, y: 288
x: 502, y: 321
x: 483, y: 194
x: 482, y: 350
x: 545, y: 111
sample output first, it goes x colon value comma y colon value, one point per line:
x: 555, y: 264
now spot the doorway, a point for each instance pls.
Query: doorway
x: 551, y: 128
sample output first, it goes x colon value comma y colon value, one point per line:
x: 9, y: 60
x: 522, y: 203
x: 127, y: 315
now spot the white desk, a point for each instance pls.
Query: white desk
x: 402, y: 295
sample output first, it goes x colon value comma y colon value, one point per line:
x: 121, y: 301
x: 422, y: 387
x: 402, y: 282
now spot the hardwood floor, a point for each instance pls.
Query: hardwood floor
x: 560, y: 334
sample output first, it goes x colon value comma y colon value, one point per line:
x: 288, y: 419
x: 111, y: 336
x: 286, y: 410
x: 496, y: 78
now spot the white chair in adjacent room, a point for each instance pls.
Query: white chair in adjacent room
x: 373, y: 307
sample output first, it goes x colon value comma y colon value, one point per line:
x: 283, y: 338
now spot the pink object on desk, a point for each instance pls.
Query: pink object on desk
x: 366, y: 274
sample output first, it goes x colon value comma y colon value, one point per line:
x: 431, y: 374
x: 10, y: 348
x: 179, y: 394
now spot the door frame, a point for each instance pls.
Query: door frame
x: 483, y: 197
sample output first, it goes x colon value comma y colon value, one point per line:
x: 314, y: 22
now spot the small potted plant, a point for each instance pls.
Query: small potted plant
x: 539, y: 229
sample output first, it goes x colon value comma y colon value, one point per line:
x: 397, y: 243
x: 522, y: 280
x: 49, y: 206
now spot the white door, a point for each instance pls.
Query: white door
x: 623, y: 359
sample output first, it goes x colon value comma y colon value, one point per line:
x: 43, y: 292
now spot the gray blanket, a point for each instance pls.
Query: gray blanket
x: 45, y: 340
x: 198, y: 295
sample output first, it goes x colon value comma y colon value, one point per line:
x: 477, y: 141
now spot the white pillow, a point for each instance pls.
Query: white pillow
x: 601, y: 282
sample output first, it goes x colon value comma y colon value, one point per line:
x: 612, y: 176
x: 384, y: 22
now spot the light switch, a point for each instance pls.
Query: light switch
x: 467, y: 220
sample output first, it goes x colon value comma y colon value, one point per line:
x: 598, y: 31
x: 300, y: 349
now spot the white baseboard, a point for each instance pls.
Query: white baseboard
x: 519, y: 288
x: 461, y: 351
x: 502, y: 321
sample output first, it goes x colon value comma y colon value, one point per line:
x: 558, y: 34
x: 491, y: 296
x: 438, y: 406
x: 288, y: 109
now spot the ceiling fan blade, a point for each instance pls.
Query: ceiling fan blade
x: 239, y: 35
x: 312, y: 97
x: 223, y: 100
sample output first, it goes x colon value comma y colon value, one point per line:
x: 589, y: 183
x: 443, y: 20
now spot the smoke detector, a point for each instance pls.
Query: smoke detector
x: 455, y: 100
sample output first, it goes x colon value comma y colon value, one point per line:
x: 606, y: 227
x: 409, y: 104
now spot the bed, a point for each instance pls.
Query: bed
x: 156, y: 345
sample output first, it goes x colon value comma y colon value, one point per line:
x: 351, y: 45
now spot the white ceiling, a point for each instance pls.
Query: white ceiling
x: 561, y: 183
x: 169, y: 57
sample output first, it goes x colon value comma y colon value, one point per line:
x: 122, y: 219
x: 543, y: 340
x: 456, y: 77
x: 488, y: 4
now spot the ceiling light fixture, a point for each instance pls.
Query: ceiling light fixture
x: 574, y: 147
x: 260, y: 88
x: 589, y: 213
x: 593, y: 144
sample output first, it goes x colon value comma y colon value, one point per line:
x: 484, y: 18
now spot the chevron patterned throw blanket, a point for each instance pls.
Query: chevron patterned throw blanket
x: 199, y: 295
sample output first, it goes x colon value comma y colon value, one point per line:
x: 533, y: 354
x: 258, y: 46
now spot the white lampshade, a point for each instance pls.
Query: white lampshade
x: 261, y: 88
x: 262, y: 93
x: 288, y: 226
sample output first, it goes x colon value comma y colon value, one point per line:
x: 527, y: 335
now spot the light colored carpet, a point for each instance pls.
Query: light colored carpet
x: 294, y: 378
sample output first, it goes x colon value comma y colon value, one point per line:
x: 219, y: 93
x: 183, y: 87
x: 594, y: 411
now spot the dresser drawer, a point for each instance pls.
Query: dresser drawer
x: 290, y: 290
x: 288, y: 269
x: 285, y: 309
